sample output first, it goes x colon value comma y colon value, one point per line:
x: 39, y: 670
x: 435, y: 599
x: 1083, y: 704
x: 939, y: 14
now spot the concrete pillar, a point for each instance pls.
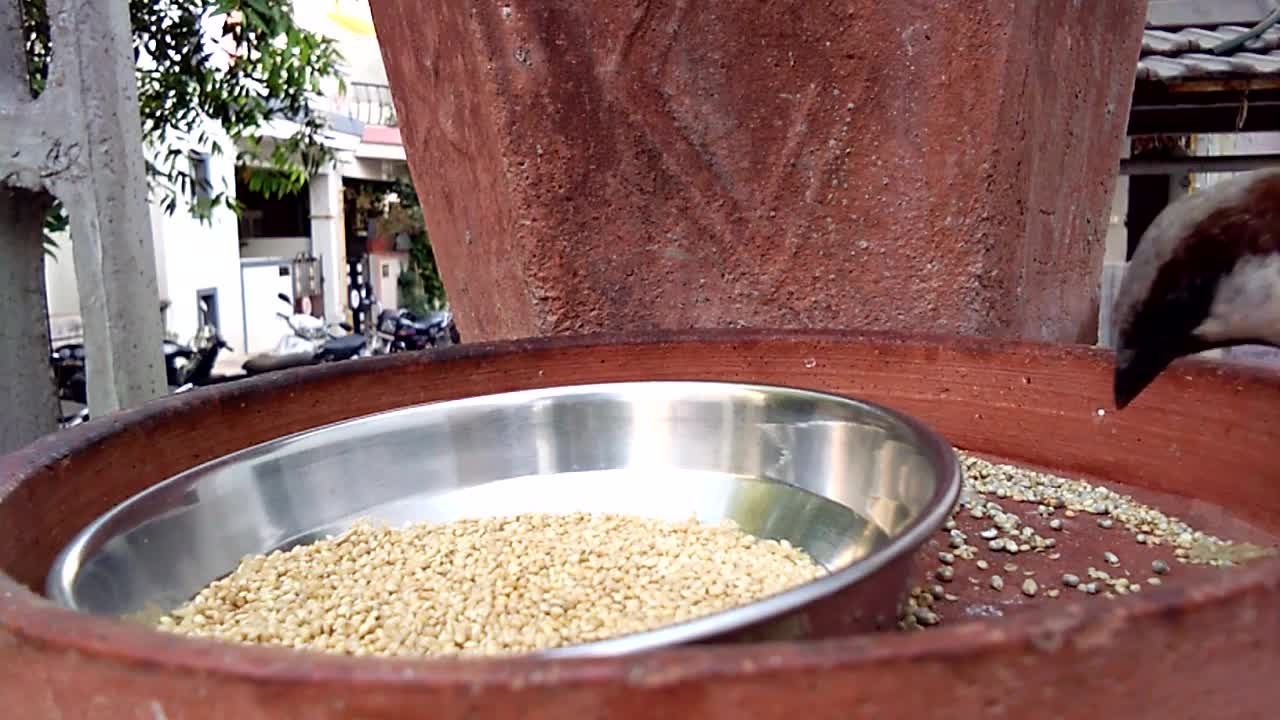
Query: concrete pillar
x: 328, y: 241
x: 81, y: 141
x: 596, y: 165
x: 30, y: 407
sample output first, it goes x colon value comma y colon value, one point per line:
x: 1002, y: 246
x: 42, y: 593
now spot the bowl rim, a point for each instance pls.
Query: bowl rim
x: 46, y: 633
x: 930, y: 445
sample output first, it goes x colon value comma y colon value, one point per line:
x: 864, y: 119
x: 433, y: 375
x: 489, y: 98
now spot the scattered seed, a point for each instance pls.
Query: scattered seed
x: 1029, y: 587
x: 925, y: 616
x: 989, y: 487
x: 1159, y: 567
x: 945, y: 573
x: 937, y: 591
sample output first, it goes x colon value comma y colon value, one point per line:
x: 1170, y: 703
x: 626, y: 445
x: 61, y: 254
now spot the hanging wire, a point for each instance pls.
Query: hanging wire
x: 1238, y: 41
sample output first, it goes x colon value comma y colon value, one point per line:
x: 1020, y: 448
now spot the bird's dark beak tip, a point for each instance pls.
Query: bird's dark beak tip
x: 1134, y: 372
x: 1122, y: 399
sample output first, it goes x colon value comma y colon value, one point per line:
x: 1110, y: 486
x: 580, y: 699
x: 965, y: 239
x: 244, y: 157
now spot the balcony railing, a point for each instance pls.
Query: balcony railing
x: 369, y: 103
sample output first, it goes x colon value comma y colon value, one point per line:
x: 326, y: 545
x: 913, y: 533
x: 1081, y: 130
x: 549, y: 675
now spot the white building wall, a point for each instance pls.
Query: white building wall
x: 274, y: 247
x: 191, y: 255
x: 198, y: 255
x: 60, y: 279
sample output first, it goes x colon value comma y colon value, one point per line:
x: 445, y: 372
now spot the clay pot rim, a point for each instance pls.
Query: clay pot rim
x: 33, y: 619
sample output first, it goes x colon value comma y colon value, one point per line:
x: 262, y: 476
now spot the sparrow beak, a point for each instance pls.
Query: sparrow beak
x: 1135, y: 370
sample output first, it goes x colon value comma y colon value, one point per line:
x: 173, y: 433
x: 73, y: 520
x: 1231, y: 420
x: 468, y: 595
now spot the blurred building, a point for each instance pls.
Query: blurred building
x: 229, y: 271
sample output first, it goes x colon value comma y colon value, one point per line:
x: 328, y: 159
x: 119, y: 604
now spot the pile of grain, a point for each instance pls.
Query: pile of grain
x: 491, y: 586
x: 989, y: 500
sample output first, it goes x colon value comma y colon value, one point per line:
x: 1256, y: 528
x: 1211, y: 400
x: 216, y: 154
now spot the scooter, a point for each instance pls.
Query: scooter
x: 185, y: 366
x: 309, y: 342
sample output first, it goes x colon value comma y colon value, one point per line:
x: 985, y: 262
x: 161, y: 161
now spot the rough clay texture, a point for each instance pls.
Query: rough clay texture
x: 599, y: 165
x: 1197, y: 647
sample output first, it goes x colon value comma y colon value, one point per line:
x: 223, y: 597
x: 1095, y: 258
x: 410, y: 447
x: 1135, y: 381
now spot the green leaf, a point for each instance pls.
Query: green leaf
x: 278, y: 65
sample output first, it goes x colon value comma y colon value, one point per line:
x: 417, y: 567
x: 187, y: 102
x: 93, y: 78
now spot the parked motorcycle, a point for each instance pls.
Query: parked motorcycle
x: 402, y: 331
x: 185, y: 366
x: 309, y: 342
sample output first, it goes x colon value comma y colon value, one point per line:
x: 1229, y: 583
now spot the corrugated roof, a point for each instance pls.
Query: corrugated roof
x: 1187, y: 55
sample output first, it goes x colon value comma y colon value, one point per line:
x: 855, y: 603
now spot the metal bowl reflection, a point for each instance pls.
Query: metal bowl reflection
x: 857, y: 486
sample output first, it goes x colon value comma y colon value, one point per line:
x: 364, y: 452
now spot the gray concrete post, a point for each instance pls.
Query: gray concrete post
x: 81, y: 141
x: 30, y: 406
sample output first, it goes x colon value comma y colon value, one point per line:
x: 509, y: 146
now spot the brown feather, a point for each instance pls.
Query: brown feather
x: 1172, y: 281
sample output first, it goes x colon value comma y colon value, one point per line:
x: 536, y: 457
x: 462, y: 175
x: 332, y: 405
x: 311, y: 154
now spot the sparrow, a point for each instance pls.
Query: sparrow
x: 1205, y: 275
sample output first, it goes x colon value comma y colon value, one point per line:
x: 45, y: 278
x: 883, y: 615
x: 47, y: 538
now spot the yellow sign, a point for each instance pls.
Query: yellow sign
x: 353, y: 16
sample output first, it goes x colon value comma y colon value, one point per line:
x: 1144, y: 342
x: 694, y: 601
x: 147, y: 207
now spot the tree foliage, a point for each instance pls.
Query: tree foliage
x: 422, y: 261
x: 235, y: 63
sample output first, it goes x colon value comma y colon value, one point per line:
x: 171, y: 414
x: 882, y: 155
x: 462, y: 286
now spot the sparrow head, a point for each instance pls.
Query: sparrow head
x: 1205, y: 275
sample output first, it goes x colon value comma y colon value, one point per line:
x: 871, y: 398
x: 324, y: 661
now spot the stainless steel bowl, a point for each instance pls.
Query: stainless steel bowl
x: 858, y: 486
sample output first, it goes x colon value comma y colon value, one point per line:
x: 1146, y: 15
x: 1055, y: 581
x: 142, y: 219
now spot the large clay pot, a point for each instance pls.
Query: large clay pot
x: 597, y: 165
x: 1207, y: 648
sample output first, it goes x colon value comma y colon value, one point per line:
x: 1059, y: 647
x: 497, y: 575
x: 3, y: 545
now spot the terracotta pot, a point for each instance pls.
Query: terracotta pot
x: 1208, y: 649
x: 595, y: 165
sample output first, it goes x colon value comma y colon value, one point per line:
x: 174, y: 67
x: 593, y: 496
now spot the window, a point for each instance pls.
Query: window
x: 207, y: 308
x: 201, y: 178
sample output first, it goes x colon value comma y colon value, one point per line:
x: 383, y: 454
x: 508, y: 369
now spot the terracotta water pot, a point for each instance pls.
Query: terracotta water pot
x: 1200, y: 646
x: 596, y: 165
